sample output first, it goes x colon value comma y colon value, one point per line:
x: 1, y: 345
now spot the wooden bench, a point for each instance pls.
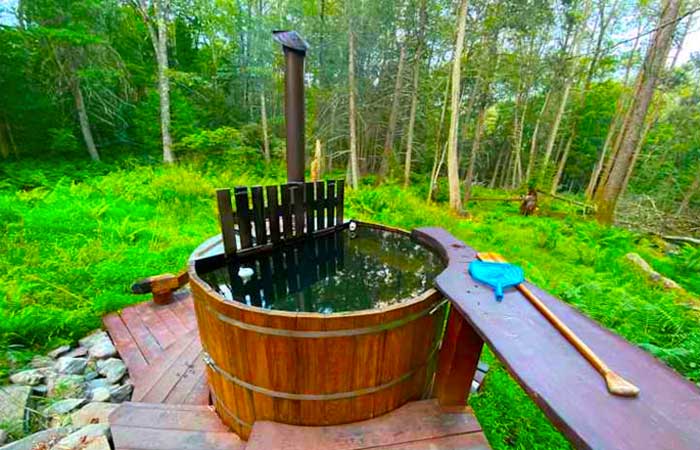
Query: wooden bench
x: 665, y: 415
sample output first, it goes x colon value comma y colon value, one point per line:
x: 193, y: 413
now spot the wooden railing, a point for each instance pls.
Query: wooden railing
x: 665, y: 414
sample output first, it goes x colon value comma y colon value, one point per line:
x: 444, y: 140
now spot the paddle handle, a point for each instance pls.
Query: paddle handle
x: 616, y: 384
x: 498, y: 289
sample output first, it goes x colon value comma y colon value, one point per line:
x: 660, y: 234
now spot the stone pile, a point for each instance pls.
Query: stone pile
x: 72, y: 390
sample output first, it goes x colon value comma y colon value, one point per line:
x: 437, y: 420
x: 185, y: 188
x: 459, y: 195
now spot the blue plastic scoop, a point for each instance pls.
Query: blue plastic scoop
x: 497, y: 275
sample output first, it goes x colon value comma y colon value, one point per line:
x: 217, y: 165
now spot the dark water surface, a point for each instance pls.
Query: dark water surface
x: 343, y: 271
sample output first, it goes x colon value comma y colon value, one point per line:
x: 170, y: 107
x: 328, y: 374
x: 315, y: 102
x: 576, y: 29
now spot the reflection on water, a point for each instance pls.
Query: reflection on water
x: 342, y: 271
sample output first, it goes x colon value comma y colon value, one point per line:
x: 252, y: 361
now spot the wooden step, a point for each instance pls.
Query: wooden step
x: 146, y: 426
x: 177, y: 377
x: 415, y: 426
x: 143, y: 332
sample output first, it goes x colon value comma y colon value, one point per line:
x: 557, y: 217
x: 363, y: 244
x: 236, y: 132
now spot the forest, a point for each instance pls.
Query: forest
x: 120, y: 118
x: 594, y: 98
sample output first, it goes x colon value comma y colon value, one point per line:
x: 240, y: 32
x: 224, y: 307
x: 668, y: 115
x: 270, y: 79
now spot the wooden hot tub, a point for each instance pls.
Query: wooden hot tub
x: 311, y: 368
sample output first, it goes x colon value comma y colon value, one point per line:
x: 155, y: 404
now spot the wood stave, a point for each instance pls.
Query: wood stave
x: 269, y: 360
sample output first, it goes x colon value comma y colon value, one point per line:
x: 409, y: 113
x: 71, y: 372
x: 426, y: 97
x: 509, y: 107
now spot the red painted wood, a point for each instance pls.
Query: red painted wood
x: 176, y: 417
x: 171, y: 427
x: 188, y: 382
x: 457, y: 362
x: 176, y: 327
x: 155, y: 325
x: 421, y: 421
x: 173, y: 377
x: 568, y: 389
x: 183, y: 308
x: 146, y: 342
x: 125, y: 344
x: 473, y: 441
x: 199, y: 394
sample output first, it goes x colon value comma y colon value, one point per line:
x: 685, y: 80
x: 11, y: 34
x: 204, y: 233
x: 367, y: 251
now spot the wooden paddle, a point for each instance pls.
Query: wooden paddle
x: 616, y: 384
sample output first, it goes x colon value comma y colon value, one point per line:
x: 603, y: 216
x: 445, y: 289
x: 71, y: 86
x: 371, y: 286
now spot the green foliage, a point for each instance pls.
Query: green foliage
x: 146, y: 120
x: 73, y: 245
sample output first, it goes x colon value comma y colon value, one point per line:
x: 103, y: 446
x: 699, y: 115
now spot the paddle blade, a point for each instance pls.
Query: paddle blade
x: 619, y: 386
x: 497, y: 275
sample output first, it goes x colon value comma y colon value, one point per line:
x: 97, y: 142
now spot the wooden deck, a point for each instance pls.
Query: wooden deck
x: 160, y: 346
x: 170, y: 405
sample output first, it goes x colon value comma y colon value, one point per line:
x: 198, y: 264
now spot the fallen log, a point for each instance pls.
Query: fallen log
x: 686, y: 239
x: 653, y: 275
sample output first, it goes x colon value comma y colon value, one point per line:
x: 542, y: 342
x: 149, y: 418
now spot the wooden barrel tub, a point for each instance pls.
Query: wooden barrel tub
x: 305, y: 368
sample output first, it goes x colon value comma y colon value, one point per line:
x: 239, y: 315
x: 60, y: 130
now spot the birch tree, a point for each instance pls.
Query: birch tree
x: 155, y: 15
x: 452, y: 144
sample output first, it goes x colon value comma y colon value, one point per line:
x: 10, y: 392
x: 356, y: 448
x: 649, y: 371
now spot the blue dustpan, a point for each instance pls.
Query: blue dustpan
x: 497, y: 275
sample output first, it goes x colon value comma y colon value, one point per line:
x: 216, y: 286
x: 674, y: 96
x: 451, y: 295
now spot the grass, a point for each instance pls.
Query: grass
x: 74, y: 237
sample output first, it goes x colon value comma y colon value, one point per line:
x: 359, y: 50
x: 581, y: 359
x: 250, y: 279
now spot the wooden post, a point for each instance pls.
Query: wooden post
x: 457, y: 362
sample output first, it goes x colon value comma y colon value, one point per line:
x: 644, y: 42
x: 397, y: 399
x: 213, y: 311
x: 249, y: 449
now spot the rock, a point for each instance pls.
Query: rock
x: 40, y: 362
x: 77, y: 352
x: 41, y: 440
x: 102, y: 349
x: 94, y: 412
x: 92, y: 338
x: 100, y: 394
x: 78, y: 439
x: 71, y: 366
x: 98, y: 383
x: 113, y: 369
x: 13, y: 401
x: 121, y: 393
x: 3, y: 437
x: 40, y: 389
x: 55, y: 353
x: 67, y: 386
x: 30, y: 377
x: 89, y: 376
x: 64, y: 406
x: 99, y: 443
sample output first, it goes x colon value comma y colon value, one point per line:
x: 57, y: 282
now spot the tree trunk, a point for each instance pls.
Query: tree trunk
x: 562, y: 164
x: 595, y: 176
x: 161, y: 47
x: 478, y: 131
x: 354, y: 166
x: 517, y: 145
x: 551, y: 140
x: 388, y: 156
x: 638, y: 150
x: 84, y: 120
x: 533, y: 142
x: 452, y: 148
x: 411, y: 122
x: 496, y: 170
x: 692, y: 190
x: 434, y: 173
x: 620, y: 106
x: 681, y: 41
x: 648, y: 77
x: 414, y: 95
x: 266, y: 138
x: 4, y: 141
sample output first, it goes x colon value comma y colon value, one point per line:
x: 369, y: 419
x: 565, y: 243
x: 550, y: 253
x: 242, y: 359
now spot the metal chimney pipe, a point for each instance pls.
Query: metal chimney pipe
x: 294, y: 48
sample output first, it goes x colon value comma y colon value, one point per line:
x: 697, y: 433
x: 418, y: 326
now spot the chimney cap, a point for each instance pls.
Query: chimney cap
x: 290, y: 40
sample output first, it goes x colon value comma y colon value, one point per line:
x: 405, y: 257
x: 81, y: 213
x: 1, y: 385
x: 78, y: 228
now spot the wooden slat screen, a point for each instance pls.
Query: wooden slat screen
x: 272, y: 214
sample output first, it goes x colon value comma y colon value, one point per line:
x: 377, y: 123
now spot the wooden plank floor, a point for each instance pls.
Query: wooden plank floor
x: 148, y: 426
x: 161, y: 348
x: 177, y: 377
x: 414, y: 426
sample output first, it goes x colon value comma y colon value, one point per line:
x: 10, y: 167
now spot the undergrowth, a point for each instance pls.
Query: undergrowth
x: 72, y: 245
